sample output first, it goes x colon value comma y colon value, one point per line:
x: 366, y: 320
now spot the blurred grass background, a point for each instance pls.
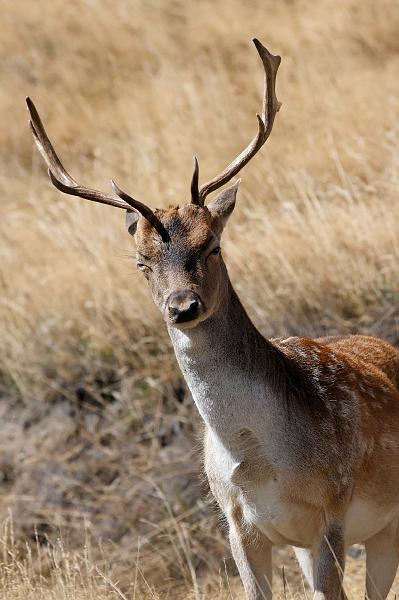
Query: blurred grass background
x: 97, y: 427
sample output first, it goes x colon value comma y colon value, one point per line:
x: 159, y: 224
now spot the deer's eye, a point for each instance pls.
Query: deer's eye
x: 144, y: 268
x: 214, y: 252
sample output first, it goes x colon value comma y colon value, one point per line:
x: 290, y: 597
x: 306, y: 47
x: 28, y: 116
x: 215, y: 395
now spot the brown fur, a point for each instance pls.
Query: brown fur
x: 189, y: 223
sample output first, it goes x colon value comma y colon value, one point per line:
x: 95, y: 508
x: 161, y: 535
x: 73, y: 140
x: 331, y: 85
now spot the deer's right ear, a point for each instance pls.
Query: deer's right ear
x: 132, y: 218
x: 223, y: 205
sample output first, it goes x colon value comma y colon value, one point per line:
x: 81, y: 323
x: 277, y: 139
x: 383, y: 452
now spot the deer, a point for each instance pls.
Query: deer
x: 301, y: 438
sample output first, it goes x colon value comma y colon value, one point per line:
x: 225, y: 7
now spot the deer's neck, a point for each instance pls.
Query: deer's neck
x: 230, y: 368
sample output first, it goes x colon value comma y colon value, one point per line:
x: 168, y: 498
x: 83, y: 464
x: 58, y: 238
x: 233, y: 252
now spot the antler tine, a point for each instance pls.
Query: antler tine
x: 195, y: 195
x: 270, y: 108
x: 58, y: 175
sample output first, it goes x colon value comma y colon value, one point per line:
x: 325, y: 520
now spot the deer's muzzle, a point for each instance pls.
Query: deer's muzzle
x: 183, y: 306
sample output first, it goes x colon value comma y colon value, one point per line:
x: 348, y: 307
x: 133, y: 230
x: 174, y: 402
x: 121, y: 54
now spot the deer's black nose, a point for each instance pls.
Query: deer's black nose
x: 183, y: 306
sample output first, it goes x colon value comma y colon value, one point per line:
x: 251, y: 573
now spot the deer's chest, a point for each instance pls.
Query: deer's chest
x: 262, y: 495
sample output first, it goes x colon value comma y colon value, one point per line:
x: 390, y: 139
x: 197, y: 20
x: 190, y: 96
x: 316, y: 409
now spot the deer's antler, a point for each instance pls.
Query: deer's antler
x: 271, y: 106
x: 65, y: 183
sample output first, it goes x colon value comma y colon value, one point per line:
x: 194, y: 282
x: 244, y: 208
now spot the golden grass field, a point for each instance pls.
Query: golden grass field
x: 100, y: 492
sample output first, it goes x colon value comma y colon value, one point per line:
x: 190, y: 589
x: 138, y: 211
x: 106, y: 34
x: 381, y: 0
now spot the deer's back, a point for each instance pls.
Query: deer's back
x: 369, y: 350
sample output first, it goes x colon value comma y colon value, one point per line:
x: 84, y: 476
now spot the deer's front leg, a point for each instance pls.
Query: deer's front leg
x: 329, y: 564
x: 252, y: 553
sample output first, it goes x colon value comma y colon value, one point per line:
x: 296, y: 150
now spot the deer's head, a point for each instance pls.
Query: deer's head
x: 178, y: 249
x: 182, y: 262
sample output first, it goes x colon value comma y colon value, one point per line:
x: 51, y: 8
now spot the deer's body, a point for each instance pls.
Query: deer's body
x: 302, y: 436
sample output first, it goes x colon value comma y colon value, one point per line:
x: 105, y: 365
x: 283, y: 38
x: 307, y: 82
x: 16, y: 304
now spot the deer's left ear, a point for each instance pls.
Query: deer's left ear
x: 222, y: 206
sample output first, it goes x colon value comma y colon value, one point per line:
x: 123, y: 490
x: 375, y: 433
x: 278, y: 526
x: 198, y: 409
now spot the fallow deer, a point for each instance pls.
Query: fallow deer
x: 301, y: 435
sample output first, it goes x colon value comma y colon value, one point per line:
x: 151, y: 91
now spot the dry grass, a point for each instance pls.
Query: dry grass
x: 96, y: 423
x: 56, y: 573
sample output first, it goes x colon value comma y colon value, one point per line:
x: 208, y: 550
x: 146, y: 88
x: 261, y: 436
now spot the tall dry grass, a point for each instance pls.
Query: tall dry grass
x: 57, y: 573
x: 96, y: 423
